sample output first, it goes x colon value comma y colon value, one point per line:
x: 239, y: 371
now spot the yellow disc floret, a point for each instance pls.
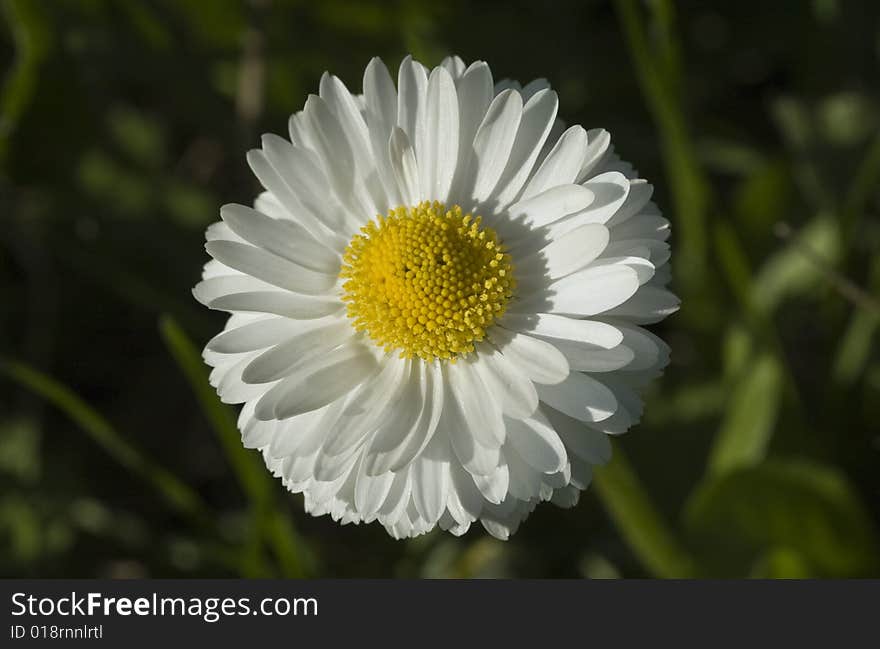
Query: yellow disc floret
x: 426, y: 280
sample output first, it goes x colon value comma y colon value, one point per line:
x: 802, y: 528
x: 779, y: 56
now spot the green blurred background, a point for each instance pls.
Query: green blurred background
x: 123, y: 128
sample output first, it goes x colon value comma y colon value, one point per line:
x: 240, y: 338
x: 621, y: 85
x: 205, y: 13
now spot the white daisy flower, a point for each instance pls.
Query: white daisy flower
x: 436, y: 304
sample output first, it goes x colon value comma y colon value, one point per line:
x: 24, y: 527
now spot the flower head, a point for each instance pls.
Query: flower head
x: 436, y: 304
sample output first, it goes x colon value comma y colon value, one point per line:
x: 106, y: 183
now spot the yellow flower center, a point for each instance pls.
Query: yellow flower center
x: 426, y: 280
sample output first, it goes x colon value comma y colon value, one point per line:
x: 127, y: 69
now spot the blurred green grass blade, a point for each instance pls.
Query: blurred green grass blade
x: 734, y: 261
x: 762, y: 196
x: 855, y: 346
x: 750, y: 417
x: 736, y: 353
x: 689, y: 403
x: 32, y: 38
x: 664, y: 16
x: 180, y: 496
x: 730, y: 157
x: 782, y: 563
x: 642, y: 527
x: 807, y: 507
x: 796, y: 268
x: 251, y: 559
x: 864, y: 185
x: 657, y: 78
x: 249, y: 470
x: 21, y: 528
x: 654, y: 51
x: 294, y: 555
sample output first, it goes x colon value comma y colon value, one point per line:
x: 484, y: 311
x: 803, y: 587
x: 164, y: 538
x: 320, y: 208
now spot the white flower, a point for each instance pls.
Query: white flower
x: 436, y: 303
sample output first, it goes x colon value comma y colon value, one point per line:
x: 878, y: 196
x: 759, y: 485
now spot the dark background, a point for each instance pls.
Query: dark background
x: 123, y: 128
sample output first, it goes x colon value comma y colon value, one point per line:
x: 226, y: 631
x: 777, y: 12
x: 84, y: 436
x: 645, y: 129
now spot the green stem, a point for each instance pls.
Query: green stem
x: 247, y: 466
x: 690, y: 191
x: 645, y: 531
x: 31, y: 36
x: 180, y: 496
x: 864, y: 183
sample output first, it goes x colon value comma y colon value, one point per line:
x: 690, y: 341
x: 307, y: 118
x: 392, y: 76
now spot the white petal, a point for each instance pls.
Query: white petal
x: 569, y: 496
x: 338, y: 160
x: 283, y: 238
x: 643, y: 268
x: 367, y: 406
x: 580, y: 396
x: 505, y: 382
x: 254, y: 433
x: 556, y: 326
x: 477, y: 404
x: 343, y: 105
x: 397, y: 499
x: 231, y: 389
x: 493, y: 142
x: 275, y: 183
x: 649, y: 350
x: 538, y: 115
x: 651, y: 304
x: 229, y: 281
x: 656, y: 251
x: 299, y: 469
x: 219, y: 285
x: 454, y: 65
x: 386, y: 454
x: 640, y: 192
x: 380, y: 97
x: 300, y: 170
x: 412, y: 90
x: 590, y: 291
x: 317, y: 383
x: 290, y: 305
x: 585, y: 357
x: 300, y: 131
x: 569, y: 253
x: 404, y: 166
x: 277, y: 362
x: 254, y: 335
x: 562, y: 165
x: 599, y: 141
x: 525, y: 481
x: 648, y: 225
x: 551, y: 205
x: 610, y: 190
x: 400, y: 418
x: 380, y: 101
x: 329, y: 468
x: 537, y: 359
x: 494, y: 485
x: 430, y: 481
x: 581, y: 477
x: 221, y: 230
x: 591, y: 445
x: 438, y: 150
x: 533, y: 87
x: 270, y: 268
x: 537, y: 443
x: 474, y: 91
x: 469, y: 497
x: 290, y: 434
x: 371, y: 491
x: 477, y: 459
